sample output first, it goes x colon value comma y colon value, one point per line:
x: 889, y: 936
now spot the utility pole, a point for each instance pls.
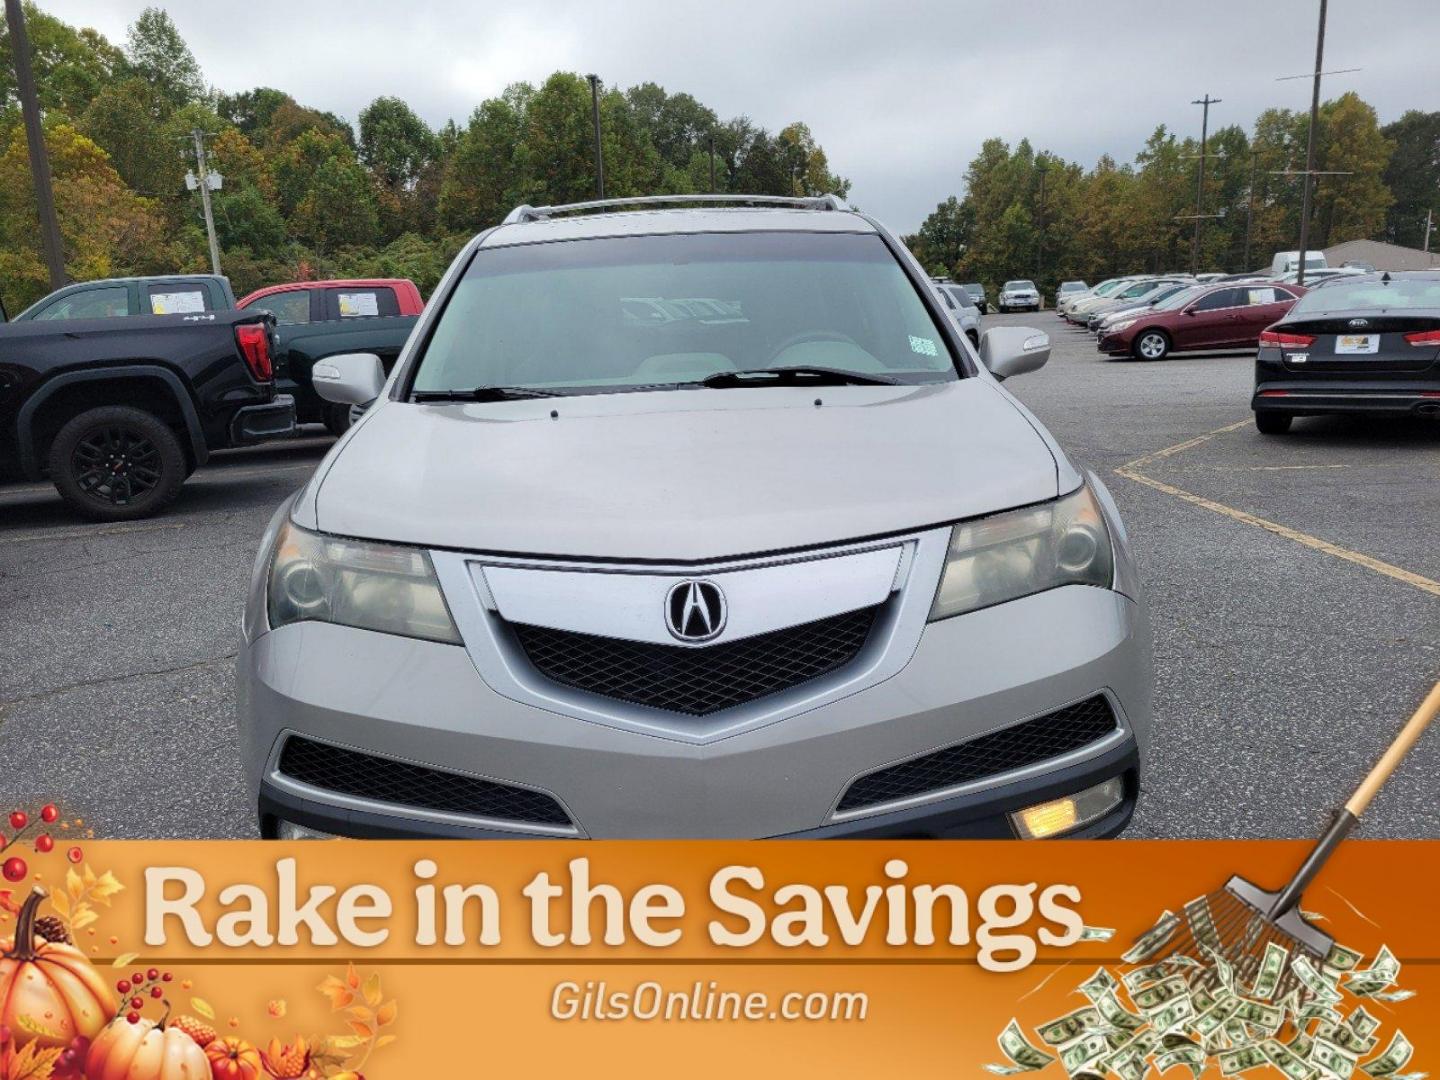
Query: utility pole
x: 599, y: 149
x: 1310, y: 145
x: 203, y: 169
x: 35, y: 141
x: 1429, y: 220
x: 1249, y: 212
x: 1040, y: 231
x: 712, y: 164
x: 1206, y: 101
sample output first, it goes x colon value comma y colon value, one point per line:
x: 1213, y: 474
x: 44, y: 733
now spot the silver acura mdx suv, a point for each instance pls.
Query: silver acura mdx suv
x: 693, y: 517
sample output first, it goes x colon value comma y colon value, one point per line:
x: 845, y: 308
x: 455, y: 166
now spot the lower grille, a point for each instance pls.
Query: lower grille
x: 1060, y: 732
x: 699, y: 681
x: 349, y: 772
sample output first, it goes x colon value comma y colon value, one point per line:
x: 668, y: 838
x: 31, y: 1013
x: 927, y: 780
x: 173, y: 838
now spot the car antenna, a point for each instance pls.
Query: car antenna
x: 1385, y: 278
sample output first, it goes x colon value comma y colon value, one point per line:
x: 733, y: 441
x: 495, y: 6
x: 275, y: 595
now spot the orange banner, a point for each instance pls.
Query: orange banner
x: 454, y: 959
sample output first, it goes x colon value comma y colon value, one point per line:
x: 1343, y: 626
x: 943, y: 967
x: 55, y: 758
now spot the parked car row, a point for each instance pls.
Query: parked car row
x: 118, y: 389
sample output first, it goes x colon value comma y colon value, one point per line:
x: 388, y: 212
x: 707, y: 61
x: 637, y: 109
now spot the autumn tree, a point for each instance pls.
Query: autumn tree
x: 158, y: 54
x: 1413, y: 177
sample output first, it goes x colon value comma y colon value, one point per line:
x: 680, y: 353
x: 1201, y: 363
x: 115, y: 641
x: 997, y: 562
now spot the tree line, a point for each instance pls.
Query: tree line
x: 1029, y: 214
x: 306, y: 194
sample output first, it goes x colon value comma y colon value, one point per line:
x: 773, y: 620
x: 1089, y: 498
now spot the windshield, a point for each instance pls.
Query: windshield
x: 1180, y: 298
x: 1017, y: 286
x: 646, y: 312
x: 1140, y: 288
x: 1399, y: 293
x: 1105, y: 288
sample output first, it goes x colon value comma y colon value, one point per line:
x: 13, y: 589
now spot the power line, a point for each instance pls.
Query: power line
x: 1199, y: 215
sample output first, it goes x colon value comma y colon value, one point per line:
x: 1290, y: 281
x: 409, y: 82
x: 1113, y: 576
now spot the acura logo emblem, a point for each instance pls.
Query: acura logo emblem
x: 695, y: 610
x: 1359, y: 322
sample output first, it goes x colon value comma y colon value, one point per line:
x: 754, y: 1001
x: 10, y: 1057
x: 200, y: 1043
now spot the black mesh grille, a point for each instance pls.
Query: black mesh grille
x: 362, y: 775
x: 1047, y: 736
x: 700, y: 681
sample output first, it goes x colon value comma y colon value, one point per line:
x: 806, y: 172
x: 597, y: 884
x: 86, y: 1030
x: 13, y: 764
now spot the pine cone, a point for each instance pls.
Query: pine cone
x: 52, y: 929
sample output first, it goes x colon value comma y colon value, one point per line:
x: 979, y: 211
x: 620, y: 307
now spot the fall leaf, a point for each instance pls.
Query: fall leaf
x: 365, y: 1031
x: 105, y: 887
x: 340, y: 1043
x: 203, y: 1007
x: 124, y: 959
x: 35, y: 1027
x: 33, y: 1063
x: 276, y: 1008
x: 384, y: 1040
x: 60, y: 902
x: 83, y: 916
x: 73, y: 884
x: 372, y: 989
x: 360, y: 1012
x: 339, y: 994
x: 352, y: 977
x: 386, y: 1013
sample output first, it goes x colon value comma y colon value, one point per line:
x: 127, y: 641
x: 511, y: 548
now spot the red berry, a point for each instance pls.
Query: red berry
x: 15, y: 869
x: 152, y: 974
x: 156, y: 992
x: 44, y: 843
x: 19, y: 819
x: 74, y: 854
x: 138, y: 978
x: 123, y: 986
x: 133, y: 1017
x: 166, y: 977
x: 137, y: 1003
x: 49, y: 812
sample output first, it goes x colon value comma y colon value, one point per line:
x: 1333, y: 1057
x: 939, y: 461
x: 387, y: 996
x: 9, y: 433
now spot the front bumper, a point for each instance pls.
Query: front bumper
x: 969, y: 676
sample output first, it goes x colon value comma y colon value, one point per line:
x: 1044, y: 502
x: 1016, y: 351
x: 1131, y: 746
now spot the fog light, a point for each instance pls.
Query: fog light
x: 289, y: 830
x: 1072, y: 812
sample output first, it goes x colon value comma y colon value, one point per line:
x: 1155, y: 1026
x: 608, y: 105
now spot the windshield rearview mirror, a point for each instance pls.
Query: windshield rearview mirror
x: 1014, y: 350
x: 349, y: 379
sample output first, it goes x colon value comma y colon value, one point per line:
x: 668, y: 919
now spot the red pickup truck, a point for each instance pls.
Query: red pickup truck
x: 316, y: 319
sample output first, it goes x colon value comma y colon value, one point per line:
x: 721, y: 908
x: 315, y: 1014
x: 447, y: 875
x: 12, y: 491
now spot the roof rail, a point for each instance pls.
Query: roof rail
x: 541, y: 213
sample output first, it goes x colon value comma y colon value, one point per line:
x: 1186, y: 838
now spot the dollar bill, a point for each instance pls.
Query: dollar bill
x: 1190, y: 1056
x: 1361, y: 1022
x: 1272, y: 966
x: 1023, y: 1056
x: 1147, y: 973
x: 1287, y: 1061
x: 1069, y: 1027
x: 1173, y: 1015
x: 1381, y: 973
x: 1313, y: 981
x: 1153, y: 940
x: 1223, y: 971
x: 1102, y: 982
x: 1115, y: 1014
x: 1346, y: 1038
x: 1335, y: 1060
x: 1154, y: 997
x: 1301, y: 1044
x: 1342, y: 959
x: 1267, y: 1017
x: 1396, y: 1056
x: 1391, y: 995
x: 1213, y: 1018
x: 1097, y: 933
x: 1240, y: 1059
x: 1083, y: 1052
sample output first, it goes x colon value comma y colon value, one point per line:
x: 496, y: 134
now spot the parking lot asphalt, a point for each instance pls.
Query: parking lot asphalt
x: 1294, y: 585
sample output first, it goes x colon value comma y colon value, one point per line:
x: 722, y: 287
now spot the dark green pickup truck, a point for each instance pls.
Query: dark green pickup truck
x: 316, y: 319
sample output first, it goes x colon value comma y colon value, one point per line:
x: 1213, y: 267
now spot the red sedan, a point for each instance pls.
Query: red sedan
x: 1218, y: 317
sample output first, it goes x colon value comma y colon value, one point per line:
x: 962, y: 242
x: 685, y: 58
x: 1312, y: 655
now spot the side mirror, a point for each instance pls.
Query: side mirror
x: 1189, y: 311
x: 1014, y: 350
x: 349, y: 379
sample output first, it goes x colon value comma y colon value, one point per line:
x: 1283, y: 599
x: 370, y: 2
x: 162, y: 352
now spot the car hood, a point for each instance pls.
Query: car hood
x: 683, y: 475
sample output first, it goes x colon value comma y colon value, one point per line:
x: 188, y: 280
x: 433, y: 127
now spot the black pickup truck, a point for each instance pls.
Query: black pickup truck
x: 118, y: 412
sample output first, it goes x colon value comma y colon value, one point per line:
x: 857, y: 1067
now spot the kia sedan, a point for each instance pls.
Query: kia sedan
x: 1218, y: 317
x: 773, y: 564
x: 1362, y: 345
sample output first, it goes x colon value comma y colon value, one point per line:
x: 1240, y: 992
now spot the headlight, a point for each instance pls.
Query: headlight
x: 1014, y: 554
x: 355, y: 583
x: 1123, y: 324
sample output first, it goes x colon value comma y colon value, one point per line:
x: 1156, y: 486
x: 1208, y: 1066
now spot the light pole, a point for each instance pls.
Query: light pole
x: 599, y: 149
x: 712, y: 163
x: 1206, y: 101
x: 1310, y: 145
x: 35, y: 141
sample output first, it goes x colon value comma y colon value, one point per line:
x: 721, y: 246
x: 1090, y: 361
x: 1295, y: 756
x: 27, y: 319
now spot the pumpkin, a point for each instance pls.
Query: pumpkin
x: 145, y: 1050
x: 49, y: 993
x: 233, y: 1059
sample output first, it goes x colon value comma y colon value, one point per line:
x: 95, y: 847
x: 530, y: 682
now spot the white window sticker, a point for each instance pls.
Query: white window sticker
x: 177, y: 303
x: 1262, y: 296
x: 354, y: 305
x: 923, y: 345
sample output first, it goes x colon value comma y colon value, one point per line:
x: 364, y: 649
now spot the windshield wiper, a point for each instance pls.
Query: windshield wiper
x: 484, y: 393
x: 794, y: 376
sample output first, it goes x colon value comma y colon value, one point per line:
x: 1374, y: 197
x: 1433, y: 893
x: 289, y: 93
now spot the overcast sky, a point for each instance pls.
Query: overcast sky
x: 900, y: 94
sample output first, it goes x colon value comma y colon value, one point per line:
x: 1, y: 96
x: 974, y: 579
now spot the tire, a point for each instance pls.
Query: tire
x: 117, y: 463
x: 1151, y: 345
x: 1273, y: 423
x: 337, y: 418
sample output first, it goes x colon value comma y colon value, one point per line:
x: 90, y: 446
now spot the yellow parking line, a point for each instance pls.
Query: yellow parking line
x: 1131, y: 472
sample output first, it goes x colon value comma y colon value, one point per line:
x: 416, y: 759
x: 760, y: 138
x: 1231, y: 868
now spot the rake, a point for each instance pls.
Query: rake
x: 1240, y: 920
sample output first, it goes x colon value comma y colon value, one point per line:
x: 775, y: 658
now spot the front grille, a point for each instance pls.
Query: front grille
x: 1048, y: 736
x: 350, y: 772
x: 697, y: 681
